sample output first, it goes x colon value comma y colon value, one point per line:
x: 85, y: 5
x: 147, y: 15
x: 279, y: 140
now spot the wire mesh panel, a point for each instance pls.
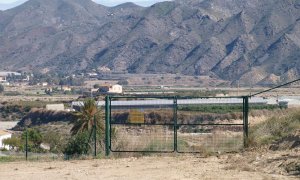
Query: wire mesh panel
x: 189, y: 125
x: 209, y: 138
x: 210, y: 125
x: 142, y: 125
x: 143, y: 138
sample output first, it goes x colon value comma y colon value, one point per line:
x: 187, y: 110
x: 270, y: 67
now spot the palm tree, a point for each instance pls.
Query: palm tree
x: 87, y: 117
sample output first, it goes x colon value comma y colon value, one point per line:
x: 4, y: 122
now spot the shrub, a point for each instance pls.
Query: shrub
x: 274, y: 128
x: 56, y: 142
x: 13, y: 142
x: 78, y: 144
x: 34, y: 139
x: 18, y: 142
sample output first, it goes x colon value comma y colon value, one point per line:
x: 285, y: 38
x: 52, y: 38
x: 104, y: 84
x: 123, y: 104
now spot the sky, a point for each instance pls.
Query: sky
x: 138, y: 2
x: 11, y: 3
x: 7, y: 1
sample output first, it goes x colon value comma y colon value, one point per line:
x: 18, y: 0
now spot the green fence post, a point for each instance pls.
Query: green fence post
x: 245, y: 119
x: 175, y: 123
x: 107, y: 126
x: 26, y: 145
x: 95, y: 137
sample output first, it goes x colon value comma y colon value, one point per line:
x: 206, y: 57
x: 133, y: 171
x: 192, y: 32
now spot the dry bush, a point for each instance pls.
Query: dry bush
x: 142, y: 138
x: 275, y: 128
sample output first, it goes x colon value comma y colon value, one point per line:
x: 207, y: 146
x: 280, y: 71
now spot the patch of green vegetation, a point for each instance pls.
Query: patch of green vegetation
x: 78, y: 144
x: 223, y: 108
x: 55, y: 141
x: 4, y: 159
x: 12, y: 93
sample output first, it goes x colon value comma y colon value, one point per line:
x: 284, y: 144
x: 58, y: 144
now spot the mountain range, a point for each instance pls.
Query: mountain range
x: 255, y: 41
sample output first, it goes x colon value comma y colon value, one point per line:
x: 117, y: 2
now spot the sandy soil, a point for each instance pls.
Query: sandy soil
x: 229, y: 166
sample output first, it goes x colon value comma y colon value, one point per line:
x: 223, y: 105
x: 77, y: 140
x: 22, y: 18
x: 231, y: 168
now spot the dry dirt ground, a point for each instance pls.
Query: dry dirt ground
x: 247, y: 165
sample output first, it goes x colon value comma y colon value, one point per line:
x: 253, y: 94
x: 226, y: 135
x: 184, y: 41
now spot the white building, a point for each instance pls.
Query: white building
x: 4, y: 135
x: 55, y: 107
x: 116, y: 89
x: 111, y: 89
x: 66, y: 88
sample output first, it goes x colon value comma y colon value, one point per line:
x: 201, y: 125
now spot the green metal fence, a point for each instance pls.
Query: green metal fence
x: 172, y: 124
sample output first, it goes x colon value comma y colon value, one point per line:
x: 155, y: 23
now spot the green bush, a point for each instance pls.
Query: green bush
x: 34, y: 140
x: 13, y: 142
x: 18, y: 142
x: 78, y: 144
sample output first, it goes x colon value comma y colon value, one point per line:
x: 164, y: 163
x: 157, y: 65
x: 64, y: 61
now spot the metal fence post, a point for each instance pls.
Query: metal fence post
x: 245, y: 119
x: 107, y: 126
x: 26, y: 145
x: 95, y: 137
x: 175, y: 123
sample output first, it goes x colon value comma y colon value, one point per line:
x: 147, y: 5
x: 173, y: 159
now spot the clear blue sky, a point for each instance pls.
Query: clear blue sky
x: 7, y: 1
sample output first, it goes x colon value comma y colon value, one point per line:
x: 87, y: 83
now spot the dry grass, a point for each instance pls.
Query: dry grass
x: 275, y: 128
x: 161, y: 138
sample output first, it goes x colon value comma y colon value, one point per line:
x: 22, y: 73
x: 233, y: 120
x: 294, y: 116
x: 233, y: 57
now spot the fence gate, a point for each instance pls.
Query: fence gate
x: 171, y: 124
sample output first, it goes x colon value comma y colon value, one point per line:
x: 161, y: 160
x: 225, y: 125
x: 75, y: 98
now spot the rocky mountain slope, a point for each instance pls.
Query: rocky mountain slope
x: 253, y: 41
